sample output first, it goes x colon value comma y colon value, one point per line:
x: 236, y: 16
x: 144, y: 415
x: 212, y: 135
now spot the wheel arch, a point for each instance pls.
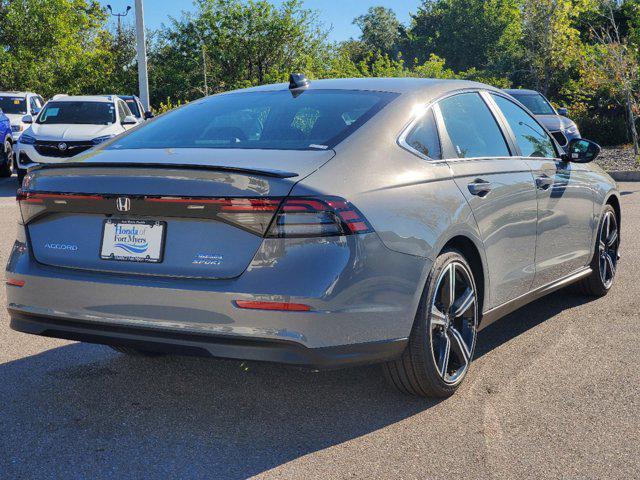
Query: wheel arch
x: 468, y: 248
x: 614, y: 201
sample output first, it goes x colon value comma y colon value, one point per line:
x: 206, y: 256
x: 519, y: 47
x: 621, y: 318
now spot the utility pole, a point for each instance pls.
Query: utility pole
x: 141, y: 47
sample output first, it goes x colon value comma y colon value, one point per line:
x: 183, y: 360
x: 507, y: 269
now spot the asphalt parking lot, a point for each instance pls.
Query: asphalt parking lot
x: 554, y: 392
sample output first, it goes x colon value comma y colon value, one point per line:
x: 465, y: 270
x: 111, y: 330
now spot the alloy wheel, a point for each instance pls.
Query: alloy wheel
x: 10, y: 155
x: 608, y: 243
x: 454, y: 319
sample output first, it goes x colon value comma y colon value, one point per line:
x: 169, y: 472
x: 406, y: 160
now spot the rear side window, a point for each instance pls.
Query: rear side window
x: 424, y: 136
x: 471, y: 127
x: 311, y: 119
x: 531, y: 137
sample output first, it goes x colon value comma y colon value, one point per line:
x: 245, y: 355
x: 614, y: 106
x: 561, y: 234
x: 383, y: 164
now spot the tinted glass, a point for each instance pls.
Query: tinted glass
x: 133, y: 106
x: 471, y: 127
x: 531, y: 137
x: 85, y: 113
x: 313, y: 119
x: 535, y: 102
x: 15, y: 105
x: 424, y: 136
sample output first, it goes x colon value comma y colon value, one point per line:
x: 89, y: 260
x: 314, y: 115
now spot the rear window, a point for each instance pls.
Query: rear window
x: 312, y: 119
x: 83, y: 113
x: 13, y: 105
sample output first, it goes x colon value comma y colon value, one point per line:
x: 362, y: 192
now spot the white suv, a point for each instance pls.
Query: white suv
x: 69, y: 125
x: 16, y: 105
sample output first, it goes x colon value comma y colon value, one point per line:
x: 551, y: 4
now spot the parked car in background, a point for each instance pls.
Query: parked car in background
x: 16, y: 105
x: 69, y: 125
x: 555, y: 120
x: 6, y: 154
x: 136, y: 107
x: 326, y: 223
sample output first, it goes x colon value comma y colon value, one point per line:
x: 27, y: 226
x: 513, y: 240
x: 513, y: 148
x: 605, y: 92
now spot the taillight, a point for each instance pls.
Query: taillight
x: 317, y: 217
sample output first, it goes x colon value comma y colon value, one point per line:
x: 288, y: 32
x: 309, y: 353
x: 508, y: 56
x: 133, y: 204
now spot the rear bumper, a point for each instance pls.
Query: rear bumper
x: 235, y: 347
x: 358, y: 291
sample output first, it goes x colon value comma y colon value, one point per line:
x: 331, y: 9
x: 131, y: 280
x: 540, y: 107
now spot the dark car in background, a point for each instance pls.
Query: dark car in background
x: 555, y: 120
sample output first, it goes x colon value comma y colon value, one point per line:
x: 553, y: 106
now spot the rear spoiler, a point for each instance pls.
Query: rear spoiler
x: 215, y: 168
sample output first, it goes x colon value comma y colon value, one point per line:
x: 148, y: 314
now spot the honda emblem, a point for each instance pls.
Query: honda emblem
x: 123, y: 204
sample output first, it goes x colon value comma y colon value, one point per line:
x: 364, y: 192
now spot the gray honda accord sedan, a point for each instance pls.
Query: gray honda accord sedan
x: 323, y: 224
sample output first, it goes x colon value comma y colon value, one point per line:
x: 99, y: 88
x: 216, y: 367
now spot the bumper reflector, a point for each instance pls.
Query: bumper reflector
x: 282, y: 306
x: 14, y: 282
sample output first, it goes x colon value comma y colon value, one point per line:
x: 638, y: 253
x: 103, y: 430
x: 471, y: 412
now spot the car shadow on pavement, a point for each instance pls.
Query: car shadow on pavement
x: 526, y: 318
x: 8, y: 186
x: 84, y: 411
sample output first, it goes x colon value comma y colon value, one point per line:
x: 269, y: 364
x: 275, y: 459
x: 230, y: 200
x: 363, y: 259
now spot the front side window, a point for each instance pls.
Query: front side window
x: 133, y: 106
x: 471, y: 127
x: 312, y: 119
x: 530, y: 136
x: 424, y: 136
x: 13, y: 105
x: 80, y: 113
x: 535, y: 102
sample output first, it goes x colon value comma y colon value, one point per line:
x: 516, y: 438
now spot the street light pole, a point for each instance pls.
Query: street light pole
x: 141, y: 47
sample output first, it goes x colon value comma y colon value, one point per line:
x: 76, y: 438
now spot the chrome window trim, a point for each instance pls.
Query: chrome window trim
x: 433, y: 104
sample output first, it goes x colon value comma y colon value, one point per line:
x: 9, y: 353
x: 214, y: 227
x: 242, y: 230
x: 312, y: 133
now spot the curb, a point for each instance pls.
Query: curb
x: 625, y: 176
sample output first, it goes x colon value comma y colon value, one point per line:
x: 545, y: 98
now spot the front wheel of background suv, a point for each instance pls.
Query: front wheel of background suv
x: 443, y: 337
x: 7, y: 161
x: 605, y: 259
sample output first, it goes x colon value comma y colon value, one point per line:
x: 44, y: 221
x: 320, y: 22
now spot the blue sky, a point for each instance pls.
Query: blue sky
x: 337, y: 14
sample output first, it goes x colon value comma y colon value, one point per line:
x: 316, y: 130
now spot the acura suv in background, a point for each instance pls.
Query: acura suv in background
x: 562, y: 128
x: 323, y: 224
x: 69, y: 125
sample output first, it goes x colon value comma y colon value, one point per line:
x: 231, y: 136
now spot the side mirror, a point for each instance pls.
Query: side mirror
x: 581, y: 150
x: 27, y: 119
x: 129, y: 120
x: 148, y: 115
x: 562, y: 111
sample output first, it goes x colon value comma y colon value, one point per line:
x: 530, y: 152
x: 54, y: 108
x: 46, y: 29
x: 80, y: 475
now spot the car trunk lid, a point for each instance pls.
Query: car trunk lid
x: 198, y: 219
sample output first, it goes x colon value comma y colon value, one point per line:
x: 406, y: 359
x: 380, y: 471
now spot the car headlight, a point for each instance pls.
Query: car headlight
x: 16, y: 128
x: 573, y: 130
x: 27, y: 139
x: 99, y: 140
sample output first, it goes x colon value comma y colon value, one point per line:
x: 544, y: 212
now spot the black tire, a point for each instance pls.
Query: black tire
x: 416, y: 372
x: 596, y: 284
x: 6, y: 170
x: 135, y: 352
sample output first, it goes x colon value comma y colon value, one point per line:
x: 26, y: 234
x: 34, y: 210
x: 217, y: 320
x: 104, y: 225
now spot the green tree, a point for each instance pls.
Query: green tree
x: 380, y: 29
x: 67, y: 52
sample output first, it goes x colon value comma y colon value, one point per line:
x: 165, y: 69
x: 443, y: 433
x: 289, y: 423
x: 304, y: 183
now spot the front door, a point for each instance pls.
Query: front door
x: 565, y: 199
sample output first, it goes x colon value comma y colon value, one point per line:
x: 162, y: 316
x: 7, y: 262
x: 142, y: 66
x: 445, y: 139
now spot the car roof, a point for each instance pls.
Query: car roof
x: 16, y: 94
x: 127, y: 97
x: 395, y: 85
x: 522, y: 91
x: 84, y: 98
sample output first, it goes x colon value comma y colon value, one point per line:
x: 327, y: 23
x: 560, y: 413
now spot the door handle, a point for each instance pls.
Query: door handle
x: 543, y: 182
x: 479, y: 187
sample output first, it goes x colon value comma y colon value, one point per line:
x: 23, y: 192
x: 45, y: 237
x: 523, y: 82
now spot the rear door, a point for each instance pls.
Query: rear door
x: 565, y: 198
x: 498, y: 187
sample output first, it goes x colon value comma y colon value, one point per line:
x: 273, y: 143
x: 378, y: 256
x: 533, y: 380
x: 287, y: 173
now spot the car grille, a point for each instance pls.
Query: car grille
x: 560, y: 138
x: 69, y: 149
